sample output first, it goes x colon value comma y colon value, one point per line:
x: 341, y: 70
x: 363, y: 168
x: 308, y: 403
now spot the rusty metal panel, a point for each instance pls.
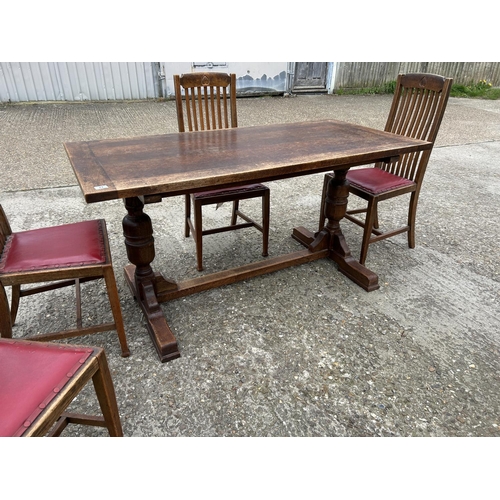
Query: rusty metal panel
x: 77, y: 81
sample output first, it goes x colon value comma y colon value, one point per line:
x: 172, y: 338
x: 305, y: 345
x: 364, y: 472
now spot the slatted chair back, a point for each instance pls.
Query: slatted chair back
x: 417, y: 111
x: 209, y: 101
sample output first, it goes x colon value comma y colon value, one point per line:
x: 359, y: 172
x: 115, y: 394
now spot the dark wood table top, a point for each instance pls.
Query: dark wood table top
x: 173, y: 164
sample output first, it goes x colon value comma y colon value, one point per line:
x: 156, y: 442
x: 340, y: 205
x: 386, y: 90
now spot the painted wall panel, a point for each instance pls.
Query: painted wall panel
x: 251, y: 77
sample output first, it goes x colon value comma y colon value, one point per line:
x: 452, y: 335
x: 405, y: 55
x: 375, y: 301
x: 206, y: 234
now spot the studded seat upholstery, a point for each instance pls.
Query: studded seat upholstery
x: 52, y: 247
x: 376, y: 181
x: 38, y: 380
x: 230, y: 191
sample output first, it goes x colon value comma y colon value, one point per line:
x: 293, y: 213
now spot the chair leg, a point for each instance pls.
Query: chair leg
x: 114, y: 301
x: 187, y: 214
x: 371, y: 213
x: 5, y: 321
x: 234, y: 215
x: 412, y: 213
x: 16, y: 296
x: 78, y: 296
x: 322, y: 206
x: 375, y: 218
x: 198, y: 236
x: 106, y: 396
x: 266, y: 209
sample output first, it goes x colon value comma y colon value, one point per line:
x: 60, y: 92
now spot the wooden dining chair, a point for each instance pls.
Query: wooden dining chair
x: 210, y: 103
x: 39, y: 380
x: 57, y: 256
x: 417, y: 109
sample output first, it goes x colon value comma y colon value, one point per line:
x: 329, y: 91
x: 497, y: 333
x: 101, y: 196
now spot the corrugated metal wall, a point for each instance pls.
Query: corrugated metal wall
x: 77, y: 81
x: 372, y: 74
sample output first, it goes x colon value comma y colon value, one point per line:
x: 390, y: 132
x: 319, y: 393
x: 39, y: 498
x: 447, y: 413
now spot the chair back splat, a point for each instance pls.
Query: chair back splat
x: 417, y: 110
x: 209, y: 103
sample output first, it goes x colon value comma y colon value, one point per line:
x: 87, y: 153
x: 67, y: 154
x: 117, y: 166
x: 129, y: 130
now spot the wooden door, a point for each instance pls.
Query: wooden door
x: 310, y: 77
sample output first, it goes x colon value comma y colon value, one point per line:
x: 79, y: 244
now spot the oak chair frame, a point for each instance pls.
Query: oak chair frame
x: 59, y: 277
x: 209, y: 104
x: 417, y: 110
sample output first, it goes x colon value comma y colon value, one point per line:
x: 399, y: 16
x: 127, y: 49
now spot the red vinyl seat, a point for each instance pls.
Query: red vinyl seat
x: 39, y: 380
x: 51, y: 247
x: 231, y: 191
x: 376, y: 181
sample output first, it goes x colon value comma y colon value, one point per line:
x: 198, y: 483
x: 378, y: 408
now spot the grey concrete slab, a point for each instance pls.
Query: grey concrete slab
x: 303, y: 351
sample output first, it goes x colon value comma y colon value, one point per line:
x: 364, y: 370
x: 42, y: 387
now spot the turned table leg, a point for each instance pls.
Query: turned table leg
x: 331, y: 235
x: 335, y: 209
x: 143, y: 282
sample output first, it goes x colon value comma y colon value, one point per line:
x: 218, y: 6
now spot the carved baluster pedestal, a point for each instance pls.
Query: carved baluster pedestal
x: 332, y: 238
x: 144, y: 283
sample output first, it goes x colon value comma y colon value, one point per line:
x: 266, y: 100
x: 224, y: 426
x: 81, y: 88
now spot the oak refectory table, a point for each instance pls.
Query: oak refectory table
x: 146, y: 169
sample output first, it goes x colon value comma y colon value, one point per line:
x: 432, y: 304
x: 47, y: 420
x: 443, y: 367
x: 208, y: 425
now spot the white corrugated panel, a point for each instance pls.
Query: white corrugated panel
x: 77, y: 81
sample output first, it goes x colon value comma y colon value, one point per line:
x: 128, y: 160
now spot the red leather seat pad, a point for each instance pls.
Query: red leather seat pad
x: 235, y: 190
x: 376, y: 180
x: 31, y: 375
x: 60, y: 246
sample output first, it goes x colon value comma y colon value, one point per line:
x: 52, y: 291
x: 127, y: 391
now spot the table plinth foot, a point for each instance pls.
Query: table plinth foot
x: 356, y: 272
x: 303, y: 236
x: 163, y: 339
x: 339, y: 252
x: 314, y: 242
x: 349, y: 266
